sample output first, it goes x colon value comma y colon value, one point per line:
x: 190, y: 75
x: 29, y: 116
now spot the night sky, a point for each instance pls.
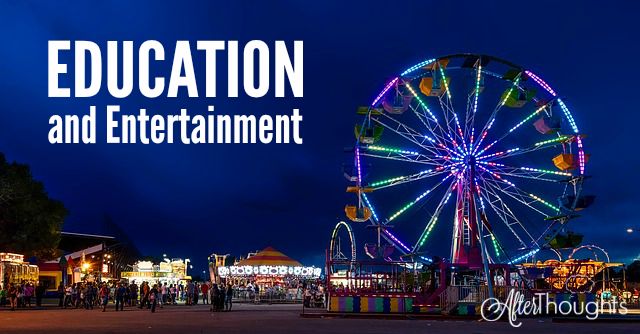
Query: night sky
x: 192, y: 200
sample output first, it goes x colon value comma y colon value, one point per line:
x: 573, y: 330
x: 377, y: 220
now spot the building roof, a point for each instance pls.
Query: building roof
x: 269, y: 257
x: 71, y: 242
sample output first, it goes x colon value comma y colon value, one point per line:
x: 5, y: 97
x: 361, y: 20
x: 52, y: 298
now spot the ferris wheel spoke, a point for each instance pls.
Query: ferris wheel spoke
x: 394, y: 181
x: 525, y: 198
x: 410, y: 134
x: 381, y: 152
x: 426, y: 116
x: 525, y: 172
x: 516, y: 126
x: 549, y: 143
x: 451, y: 117
x: 494, y: 114
x: 469, y: 127
x: 417, y: 199
x: 504, y: 212
x: 439, y: 137
x: 434, y: 218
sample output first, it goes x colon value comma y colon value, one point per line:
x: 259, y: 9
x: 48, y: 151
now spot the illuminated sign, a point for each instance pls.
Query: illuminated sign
x: 310, y: 272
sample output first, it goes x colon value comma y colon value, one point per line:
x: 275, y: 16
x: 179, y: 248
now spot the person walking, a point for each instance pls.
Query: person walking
x: 104, y: 296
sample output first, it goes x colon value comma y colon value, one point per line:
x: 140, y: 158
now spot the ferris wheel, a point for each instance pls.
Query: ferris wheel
x: 470, y: 157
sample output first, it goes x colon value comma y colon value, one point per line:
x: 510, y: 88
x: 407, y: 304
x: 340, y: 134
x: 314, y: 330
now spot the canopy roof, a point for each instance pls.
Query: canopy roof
x: 269, y: 257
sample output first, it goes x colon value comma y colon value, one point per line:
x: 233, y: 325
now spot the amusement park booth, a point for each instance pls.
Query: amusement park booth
x: 268, y: 268
x: 13, y: 270
x: 170, y: 272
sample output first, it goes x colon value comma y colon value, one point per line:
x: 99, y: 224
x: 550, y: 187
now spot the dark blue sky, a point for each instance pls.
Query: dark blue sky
x: 188, y: 201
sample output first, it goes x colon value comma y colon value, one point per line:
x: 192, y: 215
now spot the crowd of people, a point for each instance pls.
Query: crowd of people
x: 152, y: 295
x: 23, y: 295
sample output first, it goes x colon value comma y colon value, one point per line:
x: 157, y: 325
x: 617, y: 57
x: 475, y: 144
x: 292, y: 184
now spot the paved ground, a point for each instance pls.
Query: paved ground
x: 263, y: 319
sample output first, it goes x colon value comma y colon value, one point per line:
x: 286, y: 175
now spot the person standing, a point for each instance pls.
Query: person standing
x: 153, y: 297
x: 3, y: 296
x: 60, y: 294
x: 190, y: 291
x: 120, y: 293
x: 205, y: 293
x: 133, y: 291
x: 229, y: 298
x: 68, y: 295
x: 165, y: 292
x: 28, y: 294
x: 13, y: 297
x: 172, y: 294
x: 40, y: 289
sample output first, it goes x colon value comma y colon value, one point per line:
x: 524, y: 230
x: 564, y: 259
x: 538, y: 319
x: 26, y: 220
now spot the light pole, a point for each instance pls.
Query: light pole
x: 633, y: 229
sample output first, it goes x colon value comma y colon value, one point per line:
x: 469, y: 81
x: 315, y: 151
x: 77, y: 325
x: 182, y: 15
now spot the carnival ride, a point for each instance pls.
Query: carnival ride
x: 573, y: 273
x: 483, y: 133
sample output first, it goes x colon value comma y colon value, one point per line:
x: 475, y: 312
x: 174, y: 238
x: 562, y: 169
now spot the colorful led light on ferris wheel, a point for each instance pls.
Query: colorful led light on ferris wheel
x: 522, y: 257
x: 358, y: 165
x: 370, y: 206
x: 481, y: 201
x: 399, y: 178
x: 490, y: 163
x: 384, y: 91
x: 568, y: 115
x: 544, y: 202
x: 533, y: 114
x: 515, y: 84
x: 498, y: 153
x: 478, y: 77
x: 545, y: 171
x: 393, y: 237
x: 424, y: 105
x: 427, y: 231
x: 444, y: 79
x: 430, y: 139
x: 410, y: 204
x: 417, y: 66
x: 391, y: 150
x: 540, y: 82
x: 559, y: 139
x: 581, y: 155
x: 487, y: 147
x: 495, y: 244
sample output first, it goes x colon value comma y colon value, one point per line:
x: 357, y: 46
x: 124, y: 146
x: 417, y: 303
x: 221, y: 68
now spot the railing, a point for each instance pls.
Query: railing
x: 248, y: 296
x: 455, y: 294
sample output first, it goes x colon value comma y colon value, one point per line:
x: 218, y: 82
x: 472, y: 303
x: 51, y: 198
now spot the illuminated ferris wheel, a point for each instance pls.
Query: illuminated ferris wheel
x: 472, y: 147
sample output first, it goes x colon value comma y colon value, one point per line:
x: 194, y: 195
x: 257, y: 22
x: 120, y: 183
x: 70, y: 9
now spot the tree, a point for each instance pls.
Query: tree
x: 633, y: 272
x: 30, y: 221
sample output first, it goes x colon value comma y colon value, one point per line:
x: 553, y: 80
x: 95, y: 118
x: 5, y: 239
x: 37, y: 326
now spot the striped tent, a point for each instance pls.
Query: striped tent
x: 269, y: 257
